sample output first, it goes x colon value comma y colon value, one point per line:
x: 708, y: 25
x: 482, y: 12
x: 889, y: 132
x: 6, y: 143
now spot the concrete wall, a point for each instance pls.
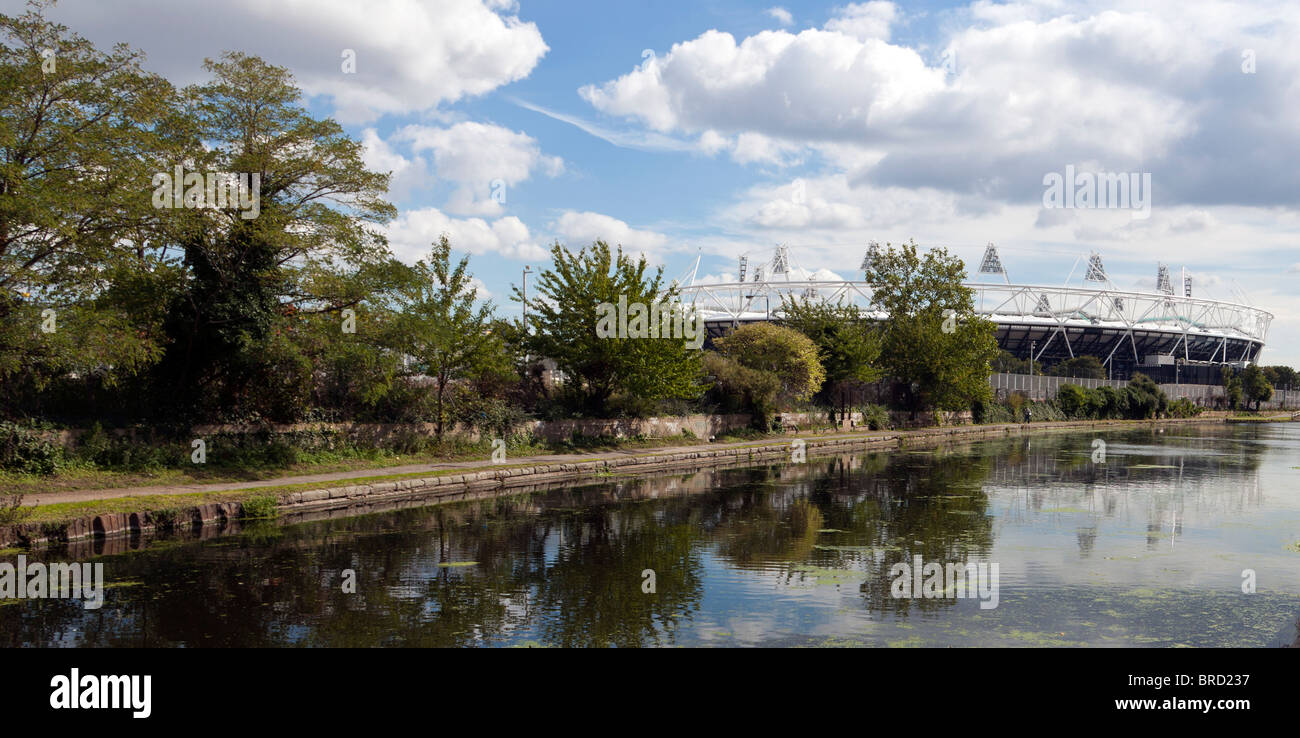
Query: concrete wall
x: 702, y: 426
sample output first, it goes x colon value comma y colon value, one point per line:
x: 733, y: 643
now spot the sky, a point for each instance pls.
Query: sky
x: 719, y: 128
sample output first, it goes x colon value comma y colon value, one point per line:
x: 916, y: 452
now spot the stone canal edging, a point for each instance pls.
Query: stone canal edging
x: 491, y: 481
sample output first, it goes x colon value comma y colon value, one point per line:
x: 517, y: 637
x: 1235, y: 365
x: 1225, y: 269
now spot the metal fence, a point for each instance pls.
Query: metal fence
x: 1038, y: 387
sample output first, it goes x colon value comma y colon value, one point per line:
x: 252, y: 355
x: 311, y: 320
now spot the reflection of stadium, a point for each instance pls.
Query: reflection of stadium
x: 1160, y: 333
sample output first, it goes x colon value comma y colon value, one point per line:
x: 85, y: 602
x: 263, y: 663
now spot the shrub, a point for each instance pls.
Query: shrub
x: 1073, y: 401
x: 1184, y: 408
x: 12, y: 511
x: 876, y: 417
x: 259, y: 507
x: 23, y: 450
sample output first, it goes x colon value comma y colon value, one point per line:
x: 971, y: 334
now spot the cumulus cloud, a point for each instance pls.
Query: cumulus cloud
x: 864, y: 20
x: 580, y: 229
x: 413, y: 233
x: 781, y: 15
x: 406, y: 174
x: 410, y: 55
x: 483, y: 160
x: 1025, y: 89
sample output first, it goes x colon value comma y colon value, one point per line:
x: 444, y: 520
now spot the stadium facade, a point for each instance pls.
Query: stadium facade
x: 1168, y: 334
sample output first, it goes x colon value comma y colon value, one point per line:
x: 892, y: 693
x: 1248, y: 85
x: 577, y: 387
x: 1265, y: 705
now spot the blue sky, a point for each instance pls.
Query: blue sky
x: 819, y: 125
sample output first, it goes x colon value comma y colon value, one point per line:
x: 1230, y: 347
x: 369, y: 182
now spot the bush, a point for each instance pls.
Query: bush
x: 1074, y: 401
x: 1145, y: 398
x: 983, y: 413
x: 23, y: 450
x: 1184, y: 408
x: 876, y: 417
x: 738, y: 388
x: 259, y: 507
x: 12, y: 511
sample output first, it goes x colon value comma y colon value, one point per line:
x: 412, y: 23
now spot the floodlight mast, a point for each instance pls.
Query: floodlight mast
x: 869, y: 259
x: 992, y: 264
x: 1162, y: 279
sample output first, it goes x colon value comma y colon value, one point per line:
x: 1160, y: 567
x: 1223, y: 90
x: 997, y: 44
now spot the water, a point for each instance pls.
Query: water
x: 1147, y: 549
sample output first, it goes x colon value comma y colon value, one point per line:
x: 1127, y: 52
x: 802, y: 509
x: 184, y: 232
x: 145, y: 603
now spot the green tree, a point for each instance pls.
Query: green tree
x: 563, y: 320
x: 1007, y: 362
x: 848, y: 345
x: 1145, y: 399
x: 1073, y: 401
x: 312, y: 247
x: 1080, y: 367
x: 442, y: 325
x: 1232, y: 387
x: 783, y: 352
x: 932, y: 341
x: 1255, y: 385
x: 81, y: 130
x: 1281, y: 377
x: 737, y: 388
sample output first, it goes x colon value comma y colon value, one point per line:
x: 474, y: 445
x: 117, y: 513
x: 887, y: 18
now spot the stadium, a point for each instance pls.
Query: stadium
x: 1168, y: 335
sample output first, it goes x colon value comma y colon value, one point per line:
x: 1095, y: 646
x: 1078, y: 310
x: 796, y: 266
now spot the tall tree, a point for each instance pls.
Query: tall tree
x: 563, y: 319
x: 443, y: 326
x: 311, y: 247
x: 1255, y: 385
x: 848, y: 345
x: 81, y: 130
x: 932, y: 341
x: 1080, y: 367
x: 1232, y: 387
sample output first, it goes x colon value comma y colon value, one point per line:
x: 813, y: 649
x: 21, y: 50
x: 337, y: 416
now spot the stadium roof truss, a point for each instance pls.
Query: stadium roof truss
x: 1100, y: 321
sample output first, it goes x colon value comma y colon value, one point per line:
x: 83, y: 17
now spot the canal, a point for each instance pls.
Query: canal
x: 1142, y: 537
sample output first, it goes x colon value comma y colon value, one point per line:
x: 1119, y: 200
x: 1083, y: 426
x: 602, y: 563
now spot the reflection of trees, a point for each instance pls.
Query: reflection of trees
x: 286, y: 590
x: 592, y: 589
x: 875, y: 508
x: 564, y: 566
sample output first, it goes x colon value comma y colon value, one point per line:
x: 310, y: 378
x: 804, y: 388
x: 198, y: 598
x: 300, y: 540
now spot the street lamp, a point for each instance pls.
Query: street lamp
x: 527, y: 270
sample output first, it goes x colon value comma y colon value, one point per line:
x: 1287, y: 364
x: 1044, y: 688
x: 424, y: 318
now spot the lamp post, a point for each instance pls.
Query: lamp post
x: 527, y: 270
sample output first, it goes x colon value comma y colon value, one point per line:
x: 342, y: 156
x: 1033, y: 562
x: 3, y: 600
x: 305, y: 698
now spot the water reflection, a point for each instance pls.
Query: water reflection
x: 1147, y: 548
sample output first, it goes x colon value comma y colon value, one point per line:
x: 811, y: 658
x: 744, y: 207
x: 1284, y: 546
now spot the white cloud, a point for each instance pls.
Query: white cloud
x: 483, y: 160
x: 781, y: 15
x: 864, y: 20
x: 581, y: 229
x: 407, y: 174
x: 1031, y: 87
x: 410, y: 55
x: 413, y: 233
x: 753, y: 147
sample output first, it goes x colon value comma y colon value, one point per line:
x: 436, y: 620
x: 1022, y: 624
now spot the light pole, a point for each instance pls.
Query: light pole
x: 527, y: 270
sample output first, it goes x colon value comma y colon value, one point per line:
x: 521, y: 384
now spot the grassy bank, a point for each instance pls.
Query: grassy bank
x: 55, y: 513
x: 79, y: 469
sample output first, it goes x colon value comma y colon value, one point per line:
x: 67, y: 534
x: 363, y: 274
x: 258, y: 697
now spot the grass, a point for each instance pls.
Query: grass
x: 259, y: 507
x: 1258, y: 417
x: 86, y: 476
x: 62, y: 512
